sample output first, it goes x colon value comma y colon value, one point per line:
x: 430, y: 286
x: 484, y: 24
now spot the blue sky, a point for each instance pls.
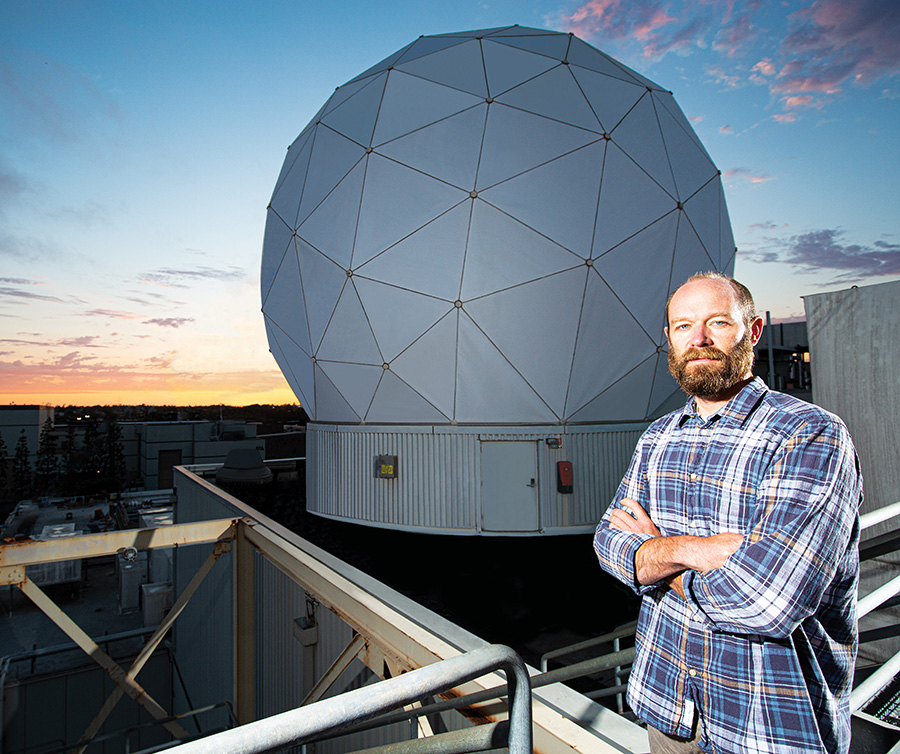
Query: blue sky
x: 140, y: 142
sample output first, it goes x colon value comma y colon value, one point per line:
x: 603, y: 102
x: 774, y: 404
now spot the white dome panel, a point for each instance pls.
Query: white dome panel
x: 327, y: 228
x: 459, y: 67
x: 610, y: 98
x: 639, y: 137
x: 509, y: 66
x: 286, y: 304
x: 349, y: 335
x: 355, y: 382
x: 333, y: 156
x: 429, y: 364
x: 355, y: 117
x: 296, y: 366
x: 323, y: 282
x: 428, y: 261
x: 538, y: 140
x: 411, y: 103
x: 277, y: 236
x: 624, y: 399
x: 554, y: 94
x: 395, y: 397
x: 502, y: 252
x: 330, y: 403
x: 397, y: 316
x: 557, y: 199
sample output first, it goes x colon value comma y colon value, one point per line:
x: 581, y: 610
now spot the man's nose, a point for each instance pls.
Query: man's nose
x: 700, y: 336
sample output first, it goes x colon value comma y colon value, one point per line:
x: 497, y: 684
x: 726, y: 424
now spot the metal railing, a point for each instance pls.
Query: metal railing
x: 336, y: 715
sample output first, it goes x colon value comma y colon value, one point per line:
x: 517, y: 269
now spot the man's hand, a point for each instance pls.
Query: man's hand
x: 665, y: 558
x: 636, y: 521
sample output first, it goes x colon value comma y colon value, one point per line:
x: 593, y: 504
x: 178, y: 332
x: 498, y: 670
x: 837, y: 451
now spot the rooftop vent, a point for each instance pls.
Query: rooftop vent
x: 243, y: 466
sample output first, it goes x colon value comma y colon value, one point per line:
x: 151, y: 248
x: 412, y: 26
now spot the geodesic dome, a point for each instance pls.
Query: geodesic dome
x: 483, y: 229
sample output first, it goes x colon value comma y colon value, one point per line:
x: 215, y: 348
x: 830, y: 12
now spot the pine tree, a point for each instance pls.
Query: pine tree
x: 114, y: 456
x: 3, y: 466
x: 46, y: 465
x: 22, y: 467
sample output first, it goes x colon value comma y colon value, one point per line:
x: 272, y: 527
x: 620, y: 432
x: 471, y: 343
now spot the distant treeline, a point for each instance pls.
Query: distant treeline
x: 287, y: 413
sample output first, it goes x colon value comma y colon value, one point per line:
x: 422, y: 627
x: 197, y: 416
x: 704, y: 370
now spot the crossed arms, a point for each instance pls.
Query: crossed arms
x: 665, y: 558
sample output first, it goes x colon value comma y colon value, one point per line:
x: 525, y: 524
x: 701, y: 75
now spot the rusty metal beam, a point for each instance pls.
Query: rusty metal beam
x: 342, y: 662
x: 32, y: 552
x: 113, y: 669
x: 153, y: 642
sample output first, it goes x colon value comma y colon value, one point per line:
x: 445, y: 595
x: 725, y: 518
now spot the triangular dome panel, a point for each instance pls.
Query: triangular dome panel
x: 396, y: 202
x: 355, y: 117
x: 443, y: 150
x: 331, y: 228
x: 667, y: 101
x: 395, y: 400
x: 429, y: 261
x: 538, y: 341
x: 582, y: 54
x: 429, y: 364
x: 666, y: 395
x: 557, y: 199
x: 487, y: 386
x: 610, y: 98
x: 276, y: 242
x: 649, y: 250
x: 286, y: 306
x: 333, y: 157
x: 349, y: 335
x: 704, y: 211
x: 690, y: 256
x: 355, y: 382
x: 296, y: 366
x: 502, y: 252
x: 537, y: 140
x: 554, y: 94
x: 410, y: 103
x: 330, y: 404
x: 286, y: 198
x: 600, y: 356
x: 323, y: 282
x: 382, y: 65
x: 690, y: 164
x: 624, y: 400
x: 459, y: 67
x: 727, y: 249
x: 508, y: 66
x: 639, y: 137
x: 397, y: 316
x: 299, y: 148
x: 553, y: 45
x: 629, y: 201
x: 428, y: 45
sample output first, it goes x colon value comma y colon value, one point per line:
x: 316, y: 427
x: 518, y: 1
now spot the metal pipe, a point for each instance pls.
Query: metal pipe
x: 477, y: 738
x: 622, y: 631
x: 880, y: 514
x: 866, y: 691
x: 877, y: 596
x: 332, y: 716
x: 578, y: 670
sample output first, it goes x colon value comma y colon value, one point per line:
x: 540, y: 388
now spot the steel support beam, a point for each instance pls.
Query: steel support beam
x: 153, y: 642
x: 32, y: 552
x: 75, y: 633
x: 348, y: 655
x: 244, y: 616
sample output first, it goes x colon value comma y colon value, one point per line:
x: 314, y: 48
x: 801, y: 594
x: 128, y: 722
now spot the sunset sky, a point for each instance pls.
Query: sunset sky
x: 140, y: 143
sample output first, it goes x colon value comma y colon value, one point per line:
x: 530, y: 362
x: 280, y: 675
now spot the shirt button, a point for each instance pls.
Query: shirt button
x: 694, y: 616
x: 703, y: 432
x: 692, y: 672
x: 693, y: 476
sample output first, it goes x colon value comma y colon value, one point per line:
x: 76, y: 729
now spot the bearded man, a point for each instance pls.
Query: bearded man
x: 737, y: 521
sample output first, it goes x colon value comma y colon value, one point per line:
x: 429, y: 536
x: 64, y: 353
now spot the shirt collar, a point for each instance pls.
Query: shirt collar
x: 737, y: 409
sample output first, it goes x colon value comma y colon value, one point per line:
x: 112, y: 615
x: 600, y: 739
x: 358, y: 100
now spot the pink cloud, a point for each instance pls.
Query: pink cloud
x: 747, y: 175
x: 784, y: 118
x: 726, y: 130
x: 832, y: 42
x: 764, y: 67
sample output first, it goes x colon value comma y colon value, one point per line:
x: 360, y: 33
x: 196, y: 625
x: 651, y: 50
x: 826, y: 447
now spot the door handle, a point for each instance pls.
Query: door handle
x: 532, y: 484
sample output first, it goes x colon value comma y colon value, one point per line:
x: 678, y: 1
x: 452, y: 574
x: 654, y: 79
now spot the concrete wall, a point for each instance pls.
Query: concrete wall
x: 854, y: 338
x: 854, y: 342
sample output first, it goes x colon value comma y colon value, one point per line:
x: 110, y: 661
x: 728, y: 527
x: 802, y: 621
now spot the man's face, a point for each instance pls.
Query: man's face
x: 710, y: 345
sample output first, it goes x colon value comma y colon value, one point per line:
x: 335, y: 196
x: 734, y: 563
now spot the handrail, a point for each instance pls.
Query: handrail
x: 879, y: 515
x: 334, y: 714
x: 626, y: 629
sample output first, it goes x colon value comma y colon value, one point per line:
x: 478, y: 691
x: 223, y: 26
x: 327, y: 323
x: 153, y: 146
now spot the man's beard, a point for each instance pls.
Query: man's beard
x: 710, y: 380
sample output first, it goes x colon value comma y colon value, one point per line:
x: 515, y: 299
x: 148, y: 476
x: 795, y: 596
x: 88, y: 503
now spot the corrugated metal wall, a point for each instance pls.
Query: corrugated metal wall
x: 438, y: 488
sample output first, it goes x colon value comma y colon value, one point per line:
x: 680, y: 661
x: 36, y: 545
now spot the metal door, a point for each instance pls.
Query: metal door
x: 509, y: 486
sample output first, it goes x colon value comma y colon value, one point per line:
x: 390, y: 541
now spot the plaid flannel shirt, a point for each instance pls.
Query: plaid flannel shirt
x: 764, y: 647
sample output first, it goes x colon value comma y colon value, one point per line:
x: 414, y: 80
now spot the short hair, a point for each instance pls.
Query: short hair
x: 741, y: 293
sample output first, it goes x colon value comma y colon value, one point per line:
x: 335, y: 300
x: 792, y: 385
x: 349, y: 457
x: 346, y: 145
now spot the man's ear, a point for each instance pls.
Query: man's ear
x: 756, y: 329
